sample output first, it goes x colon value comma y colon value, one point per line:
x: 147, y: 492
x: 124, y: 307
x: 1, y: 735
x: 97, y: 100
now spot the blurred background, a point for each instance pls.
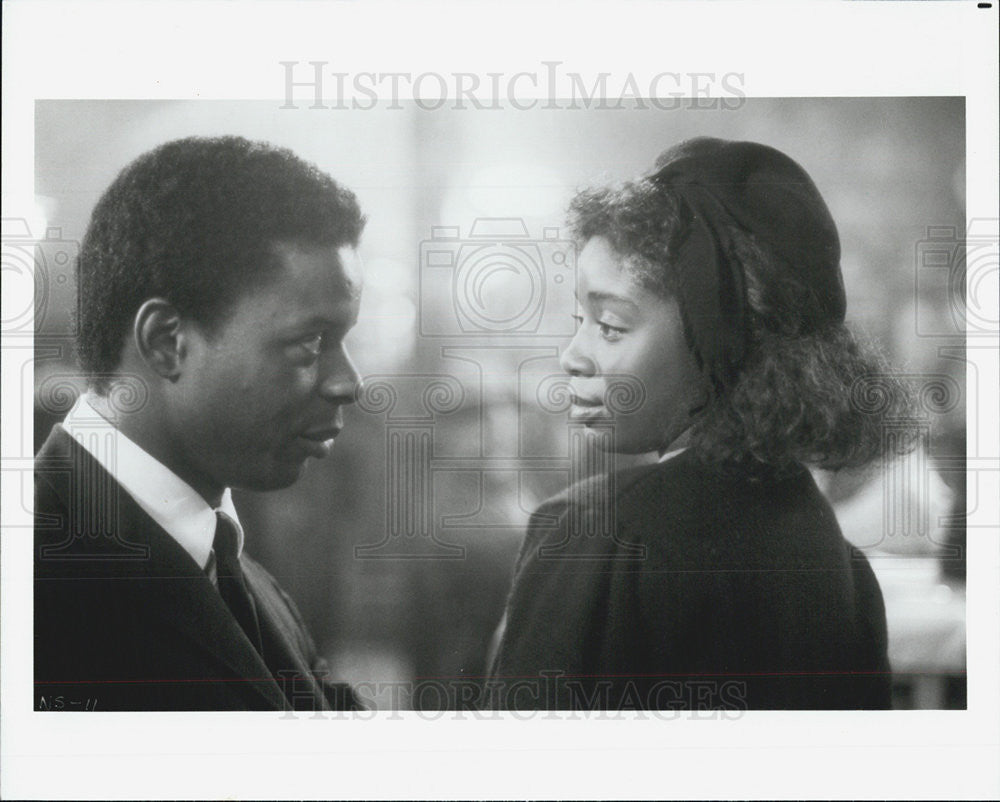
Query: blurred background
x: 399, y: 549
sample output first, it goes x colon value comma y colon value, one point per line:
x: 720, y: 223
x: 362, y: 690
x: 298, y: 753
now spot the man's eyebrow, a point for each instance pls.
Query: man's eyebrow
x: 294, y: 323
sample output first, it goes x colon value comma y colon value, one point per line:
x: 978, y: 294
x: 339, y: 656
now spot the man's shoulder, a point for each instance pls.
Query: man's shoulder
x: 54, y: 486
x: 52, y: 464
x: 87, y: 525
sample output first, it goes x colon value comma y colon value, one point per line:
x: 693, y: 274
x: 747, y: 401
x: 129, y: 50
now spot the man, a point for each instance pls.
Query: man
x: 217, y: 279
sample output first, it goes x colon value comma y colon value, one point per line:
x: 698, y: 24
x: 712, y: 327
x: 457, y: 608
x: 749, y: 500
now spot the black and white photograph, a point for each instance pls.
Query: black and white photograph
x: 403, y: 415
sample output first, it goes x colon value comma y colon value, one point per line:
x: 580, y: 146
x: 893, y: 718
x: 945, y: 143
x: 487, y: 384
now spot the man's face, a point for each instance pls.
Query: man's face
x: 264, y: 390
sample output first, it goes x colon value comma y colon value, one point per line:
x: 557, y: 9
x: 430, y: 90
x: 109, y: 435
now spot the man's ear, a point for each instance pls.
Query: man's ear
x: 158, y: 337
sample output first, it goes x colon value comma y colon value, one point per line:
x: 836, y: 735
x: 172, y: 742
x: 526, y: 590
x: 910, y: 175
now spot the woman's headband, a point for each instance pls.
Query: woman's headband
x: 772, y: 198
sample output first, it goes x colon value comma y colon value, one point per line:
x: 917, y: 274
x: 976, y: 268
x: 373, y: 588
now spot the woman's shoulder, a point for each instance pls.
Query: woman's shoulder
x: 686, y: 505
x: 663, y: 495
x: 686, y: 484
x: 688, y: 481
x: 732, y: 512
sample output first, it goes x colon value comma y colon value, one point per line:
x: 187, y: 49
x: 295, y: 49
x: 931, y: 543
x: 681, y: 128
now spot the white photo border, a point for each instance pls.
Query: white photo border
x: 203, y: 50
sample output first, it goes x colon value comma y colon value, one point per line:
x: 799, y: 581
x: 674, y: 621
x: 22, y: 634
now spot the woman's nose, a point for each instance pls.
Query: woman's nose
x: 575, y: 361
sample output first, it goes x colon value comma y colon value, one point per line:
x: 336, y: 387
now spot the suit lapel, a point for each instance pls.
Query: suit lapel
x: 166, y: 582
x: 192, y: 607
x: 288, y: 664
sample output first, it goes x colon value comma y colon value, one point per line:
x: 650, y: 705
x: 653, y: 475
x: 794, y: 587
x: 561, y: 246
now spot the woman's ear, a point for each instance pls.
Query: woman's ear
x: 158, y: 337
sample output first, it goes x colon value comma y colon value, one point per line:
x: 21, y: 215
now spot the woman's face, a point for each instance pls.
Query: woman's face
x: 629, y: 366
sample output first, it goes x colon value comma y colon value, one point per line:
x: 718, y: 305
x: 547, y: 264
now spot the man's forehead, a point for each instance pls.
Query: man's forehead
x: 340, y: 265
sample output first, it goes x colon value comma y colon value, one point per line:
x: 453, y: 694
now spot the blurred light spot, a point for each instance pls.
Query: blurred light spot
x: 516, y: 190
x: 942, y: 594
x: 386, y: 331
x: 383, y: 275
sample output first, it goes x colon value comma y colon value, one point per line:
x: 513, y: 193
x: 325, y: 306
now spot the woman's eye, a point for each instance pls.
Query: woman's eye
x: 609, y: 332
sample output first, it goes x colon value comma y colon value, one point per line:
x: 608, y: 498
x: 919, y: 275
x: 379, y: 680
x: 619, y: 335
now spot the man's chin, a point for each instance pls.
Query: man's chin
x: 280, y: 475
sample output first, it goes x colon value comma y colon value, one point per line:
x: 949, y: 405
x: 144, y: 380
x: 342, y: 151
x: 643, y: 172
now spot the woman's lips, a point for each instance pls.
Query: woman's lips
x: 585, y: 409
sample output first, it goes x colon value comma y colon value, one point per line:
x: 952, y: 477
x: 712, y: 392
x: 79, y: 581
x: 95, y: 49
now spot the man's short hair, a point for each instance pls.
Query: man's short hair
x: 194, y: 222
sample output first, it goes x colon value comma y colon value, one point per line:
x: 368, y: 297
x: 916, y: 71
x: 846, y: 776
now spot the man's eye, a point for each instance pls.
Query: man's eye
x: 314, y: 343
x: 578, y: 319
x: 310, y: 346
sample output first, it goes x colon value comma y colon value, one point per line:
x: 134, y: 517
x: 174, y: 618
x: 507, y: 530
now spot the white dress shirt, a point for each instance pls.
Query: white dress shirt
x: 163, y: 495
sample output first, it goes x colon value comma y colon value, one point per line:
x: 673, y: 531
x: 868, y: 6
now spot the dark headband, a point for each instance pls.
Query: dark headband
x: 765, y: 193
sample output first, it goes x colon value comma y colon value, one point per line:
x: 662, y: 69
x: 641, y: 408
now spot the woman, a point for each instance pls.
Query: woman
x: 717, y: 577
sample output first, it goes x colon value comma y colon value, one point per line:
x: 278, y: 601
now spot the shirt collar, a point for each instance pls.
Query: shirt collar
x: 170, y: 501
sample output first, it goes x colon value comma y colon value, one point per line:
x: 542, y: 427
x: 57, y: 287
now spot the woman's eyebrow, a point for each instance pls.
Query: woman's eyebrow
x: 605, y: 297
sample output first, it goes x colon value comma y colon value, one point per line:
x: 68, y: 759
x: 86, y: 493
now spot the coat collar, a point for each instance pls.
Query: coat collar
x: 170, y: 501
x: 163, y: 578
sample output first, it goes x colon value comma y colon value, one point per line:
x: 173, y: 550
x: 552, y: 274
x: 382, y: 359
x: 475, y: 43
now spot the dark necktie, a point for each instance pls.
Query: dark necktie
x: 229, y: 574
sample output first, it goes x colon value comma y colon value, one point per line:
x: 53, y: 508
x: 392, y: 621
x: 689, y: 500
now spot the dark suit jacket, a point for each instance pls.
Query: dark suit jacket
x: 691, y: 589
x: 126, y: 620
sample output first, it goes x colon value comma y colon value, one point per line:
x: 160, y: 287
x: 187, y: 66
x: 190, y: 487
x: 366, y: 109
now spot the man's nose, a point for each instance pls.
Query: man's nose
x: 575, y: 360
x: 341, y: 381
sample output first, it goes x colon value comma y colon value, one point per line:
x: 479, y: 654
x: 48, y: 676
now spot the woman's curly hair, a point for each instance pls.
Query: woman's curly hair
x: 800, y: 396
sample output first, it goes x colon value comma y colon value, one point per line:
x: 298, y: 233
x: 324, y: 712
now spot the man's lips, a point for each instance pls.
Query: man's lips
x: 326, y: 433
x: 318, y: 442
